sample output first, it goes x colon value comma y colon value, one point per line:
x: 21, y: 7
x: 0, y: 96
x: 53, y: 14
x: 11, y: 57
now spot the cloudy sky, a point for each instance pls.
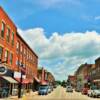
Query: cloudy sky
x: 64, y: 33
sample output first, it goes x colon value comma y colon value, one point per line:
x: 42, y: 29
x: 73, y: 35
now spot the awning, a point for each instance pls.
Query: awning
x: 97, y: 80
x: 37, y: 79
x: 30, y: 80
x: 44, y: 82
x: 24, y: 81
x: 9, y: 79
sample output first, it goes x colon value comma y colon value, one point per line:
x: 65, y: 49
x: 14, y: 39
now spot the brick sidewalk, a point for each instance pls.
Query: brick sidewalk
x: 23, y: 98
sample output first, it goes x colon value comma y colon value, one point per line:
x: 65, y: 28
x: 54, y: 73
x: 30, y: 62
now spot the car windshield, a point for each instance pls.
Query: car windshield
x: 43, y: 87
x: 69, y: 87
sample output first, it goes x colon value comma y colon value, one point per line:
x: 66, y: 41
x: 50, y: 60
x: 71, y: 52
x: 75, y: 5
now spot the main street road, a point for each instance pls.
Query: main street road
x: 60, y: 94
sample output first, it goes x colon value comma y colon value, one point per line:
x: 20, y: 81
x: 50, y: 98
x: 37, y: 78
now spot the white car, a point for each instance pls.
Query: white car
x: 89, y: 93
x: 69, y: 89
x: 94, y: 92
x: 49, y: 89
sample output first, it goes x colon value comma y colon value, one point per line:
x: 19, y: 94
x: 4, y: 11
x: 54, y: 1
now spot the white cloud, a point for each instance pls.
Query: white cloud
x: 54, y: 3
x: 62, y: 54
x: 97, y: 18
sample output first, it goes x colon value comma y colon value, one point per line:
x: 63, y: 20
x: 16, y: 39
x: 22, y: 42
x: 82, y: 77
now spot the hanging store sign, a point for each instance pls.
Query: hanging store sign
x: 3, y: 69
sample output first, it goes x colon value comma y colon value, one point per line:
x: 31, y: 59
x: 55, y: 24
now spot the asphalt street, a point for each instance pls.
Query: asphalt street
x: 60, y: 94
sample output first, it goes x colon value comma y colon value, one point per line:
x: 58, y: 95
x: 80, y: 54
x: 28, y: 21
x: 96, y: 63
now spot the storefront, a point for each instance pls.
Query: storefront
x: 8, y: 85
x: 97, y: 82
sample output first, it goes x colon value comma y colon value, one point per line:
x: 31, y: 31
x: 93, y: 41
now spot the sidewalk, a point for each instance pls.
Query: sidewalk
x: 25, y: 97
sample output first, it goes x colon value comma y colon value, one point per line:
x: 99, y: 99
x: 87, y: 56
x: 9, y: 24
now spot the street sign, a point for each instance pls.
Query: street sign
x: 3, y: 69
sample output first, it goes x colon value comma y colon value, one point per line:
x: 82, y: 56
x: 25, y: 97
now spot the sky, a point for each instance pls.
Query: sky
x: 63, y: 33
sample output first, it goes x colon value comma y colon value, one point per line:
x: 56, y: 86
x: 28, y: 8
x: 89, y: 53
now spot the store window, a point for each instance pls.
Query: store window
x: 1, y: 53
x: 2, y: 29
x: 8, y: 35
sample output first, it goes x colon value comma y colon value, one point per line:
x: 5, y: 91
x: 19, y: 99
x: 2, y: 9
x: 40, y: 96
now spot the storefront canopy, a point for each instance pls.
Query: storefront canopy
x: 24, y: 81
x: 44, y: 82
x: 97, y: 80
x: 9, y: 79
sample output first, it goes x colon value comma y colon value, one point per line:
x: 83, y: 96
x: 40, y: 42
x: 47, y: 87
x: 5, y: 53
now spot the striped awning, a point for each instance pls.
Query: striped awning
x: 9, y: 79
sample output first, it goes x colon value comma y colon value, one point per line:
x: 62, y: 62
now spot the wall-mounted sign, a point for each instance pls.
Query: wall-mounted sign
x: 3, y: 69
x: 18, y: 75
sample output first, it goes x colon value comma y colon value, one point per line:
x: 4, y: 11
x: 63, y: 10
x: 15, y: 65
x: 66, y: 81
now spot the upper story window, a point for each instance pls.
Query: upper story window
x: 8, y: 35
x: 12, y: 41
x: 1, y: 53
x: 11, y: 58
x: 6, y: 55
x: 2, y: 29
x: 21, y: 48
x: 24, y: 51
x: 17, y: 47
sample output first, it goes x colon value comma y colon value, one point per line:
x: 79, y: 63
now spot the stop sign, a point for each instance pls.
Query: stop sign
x: 3, y: 69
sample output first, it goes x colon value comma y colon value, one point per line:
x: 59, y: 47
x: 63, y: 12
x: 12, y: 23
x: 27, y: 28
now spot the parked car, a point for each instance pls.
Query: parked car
x: 90, y: 92
x: 78, y: 89
x: 69, y: 89
x: 85, y: 90
x: 43, y: 90
x: 49, y: 89
x: 55, y: 86
x: 94, y: 92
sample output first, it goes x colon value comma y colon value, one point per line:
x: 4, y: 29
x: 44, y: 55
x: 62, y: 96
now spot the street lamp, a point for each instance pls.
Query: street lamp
x: 20, y: 84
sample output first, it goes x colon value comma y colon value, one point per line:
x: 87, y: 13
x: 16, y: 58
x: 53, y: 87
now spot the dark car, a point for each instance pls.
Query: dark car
x: 43, y: 90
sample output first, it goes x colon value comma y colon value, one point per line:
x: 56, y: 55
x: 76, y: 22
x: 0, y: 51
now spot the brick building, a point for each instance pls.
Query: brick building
x: 16, y: 54
x: 7, y: 40
x: 26, y: 59
x: 82, y: 74
x: 94, y: 72
x: 72, y: 80
x: 45, y: 76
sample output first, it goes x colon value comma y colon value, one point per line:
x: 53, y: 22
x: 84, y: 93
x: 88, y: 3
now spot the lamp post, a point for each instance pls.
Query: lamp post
x: 20, y: 85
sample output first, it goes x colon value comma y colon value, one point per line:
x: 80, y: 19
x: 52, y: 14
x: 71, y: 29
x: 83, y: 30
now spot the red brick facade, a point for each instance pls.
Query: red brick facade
x: 4, y: 44
x: 14, y: 49
x: 26, y: 58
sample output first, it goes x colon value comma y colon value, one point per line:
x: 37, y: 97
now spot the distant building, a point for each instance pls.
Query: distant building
x: 45, y: 77
x: 94, y: 72
x: 82, y: 75
x: 72, y: 80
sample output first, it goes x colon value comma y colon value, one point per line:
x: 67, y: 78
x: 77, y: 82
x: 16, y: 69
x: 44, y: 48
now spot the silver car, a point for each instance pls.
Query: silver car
x: 69, y: 89
x: 96, y: 93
